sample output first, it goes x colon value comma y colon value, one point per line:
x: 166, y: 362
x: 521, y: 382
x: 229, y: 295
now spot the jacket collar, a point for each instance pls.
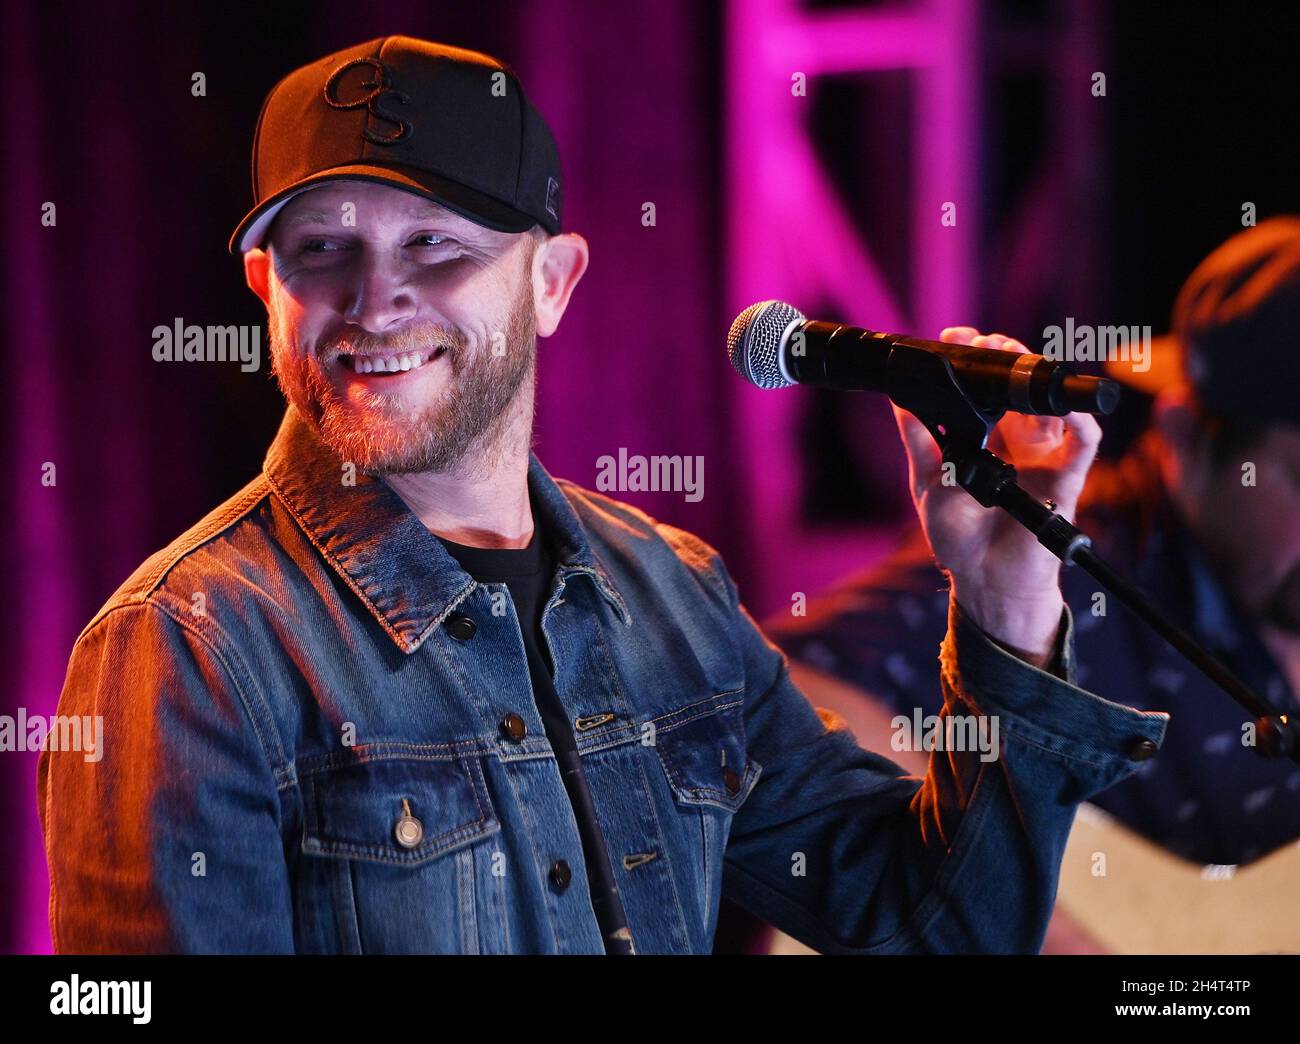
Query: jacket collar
x: 382, y: 551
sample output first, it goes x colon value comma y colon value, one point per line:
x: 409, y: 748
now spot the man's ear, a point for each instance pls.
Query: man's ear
x: 257, y: 266
x: 558, y: 264
x: 1188, y: 465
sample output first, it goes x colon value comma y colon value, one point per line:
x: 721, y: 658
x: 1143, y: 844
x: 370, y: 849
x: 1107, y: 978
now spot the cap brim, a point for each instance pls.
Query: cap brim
x: 475, y: 206
x: 1165, y: 371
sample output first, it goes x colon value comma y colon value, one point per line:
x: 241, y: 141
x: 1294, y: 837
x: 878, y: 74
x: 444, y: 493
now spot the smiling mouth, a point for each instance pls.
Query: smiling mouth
x: 402, y: 362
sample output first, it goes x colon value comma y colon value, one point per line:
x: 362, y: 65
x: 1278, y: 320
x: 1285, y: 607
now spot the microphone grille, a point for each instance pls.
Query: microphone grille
x: 754, y: 342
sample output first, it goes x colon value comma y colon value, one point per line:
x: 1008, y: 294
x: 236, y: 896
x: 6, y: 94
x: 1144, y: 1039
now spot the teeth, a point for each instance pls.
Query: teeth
x: 391, y: 363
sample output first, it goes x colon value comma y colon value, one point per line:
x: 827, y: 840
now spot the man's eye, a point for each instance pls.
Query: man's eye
x: 319, y: 246
x: 429, y: 239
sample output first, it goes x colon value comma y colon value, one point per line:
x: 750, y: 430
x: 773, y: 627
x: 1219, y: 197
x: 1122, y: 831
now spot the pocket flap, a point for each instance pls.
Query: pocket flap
x: 702, y: 749
x: 354, y: 810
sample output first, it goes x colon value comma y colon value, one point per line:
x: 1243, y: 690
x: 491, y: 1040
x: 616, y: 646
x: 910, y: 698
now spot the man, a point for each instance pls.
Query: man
x: 1204, y: 514
x: 407, y: 692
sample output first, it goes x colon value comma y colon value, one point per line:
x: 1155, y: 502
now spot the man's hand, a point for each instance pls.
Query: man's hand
x: 1003, y: 578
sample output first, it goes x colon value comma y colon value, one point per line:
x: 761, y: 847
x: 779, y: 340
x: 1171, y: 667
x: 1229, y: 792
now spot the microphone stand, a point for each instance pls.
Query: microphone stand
x: 925, y: 384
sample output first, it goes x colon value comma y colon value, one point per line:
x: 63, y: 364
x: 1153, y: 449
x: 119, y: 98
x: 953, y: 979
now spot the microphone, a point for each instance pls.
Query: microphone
x: 772, y: 345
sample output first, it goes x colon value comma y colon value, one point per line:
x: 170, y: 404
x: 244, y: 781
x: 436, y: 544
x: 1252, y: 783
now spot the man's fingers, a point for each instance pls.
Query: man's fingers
x: 958, y: 334
x: 1000, y: 342
x: 970, y: 335
x: 1022, y: 438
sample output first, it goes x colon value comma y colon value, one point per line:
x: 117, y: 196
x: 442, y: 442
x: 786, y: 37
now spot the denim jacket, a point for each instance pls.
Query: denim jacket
x: 320, y: 737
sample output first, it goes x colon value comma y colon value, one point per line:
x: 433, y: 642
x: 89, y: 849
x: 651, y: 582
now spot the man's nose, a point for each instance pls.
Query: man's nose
x: 380, y: 294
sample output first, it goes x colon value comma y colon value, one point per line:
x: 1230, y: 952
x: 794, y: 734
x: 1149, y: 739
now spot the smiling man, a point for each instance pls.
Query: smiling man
x: 406, y: 692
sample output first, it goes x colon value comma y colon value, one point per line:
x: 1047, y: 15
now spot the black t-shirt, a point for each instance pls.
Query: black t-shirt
x: 527, y: 574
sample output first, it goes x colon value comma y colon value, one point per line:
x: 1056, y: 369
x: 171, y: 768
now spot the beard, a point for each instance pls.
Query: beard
x: 383, y: 434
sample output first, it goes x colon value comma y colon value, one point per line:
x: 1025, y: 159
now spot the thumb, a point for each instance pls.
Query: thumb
x: 1081, y: 439
x: 924, y: 458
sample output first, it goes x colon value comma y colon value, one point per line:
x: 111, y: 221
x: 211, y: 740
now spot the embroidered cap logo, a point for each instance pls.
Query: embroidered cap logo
x: 380, y: 89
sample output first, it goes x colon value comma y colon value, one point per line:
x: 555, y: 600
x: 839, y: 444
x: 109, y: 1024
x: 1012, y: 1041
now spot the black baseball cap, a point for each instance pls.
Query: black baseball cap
x: 441, y: 122
x: 1235, y: 328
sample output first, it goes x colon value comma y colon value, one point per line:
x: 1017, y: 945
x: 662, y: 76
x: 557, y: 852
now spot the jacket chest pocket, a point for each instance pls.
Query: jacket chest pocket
x: 395, y: 834
x: 702, y: 750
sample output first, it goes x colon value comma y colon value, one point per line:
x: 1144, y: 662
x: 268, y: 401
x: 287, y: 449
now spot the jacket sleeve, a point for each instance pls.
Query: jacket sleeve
x: 837, y: 847
x: 167, y: 839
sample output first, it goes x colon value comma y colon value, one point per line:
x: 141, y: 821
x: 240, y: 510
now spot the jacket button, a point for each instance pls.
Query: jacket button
x: 1142, y: 750
x: 460, y: 627
x: 731, y: 780
x: 409, y: 831
x: 513, y: 727
x: 561, y: 875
